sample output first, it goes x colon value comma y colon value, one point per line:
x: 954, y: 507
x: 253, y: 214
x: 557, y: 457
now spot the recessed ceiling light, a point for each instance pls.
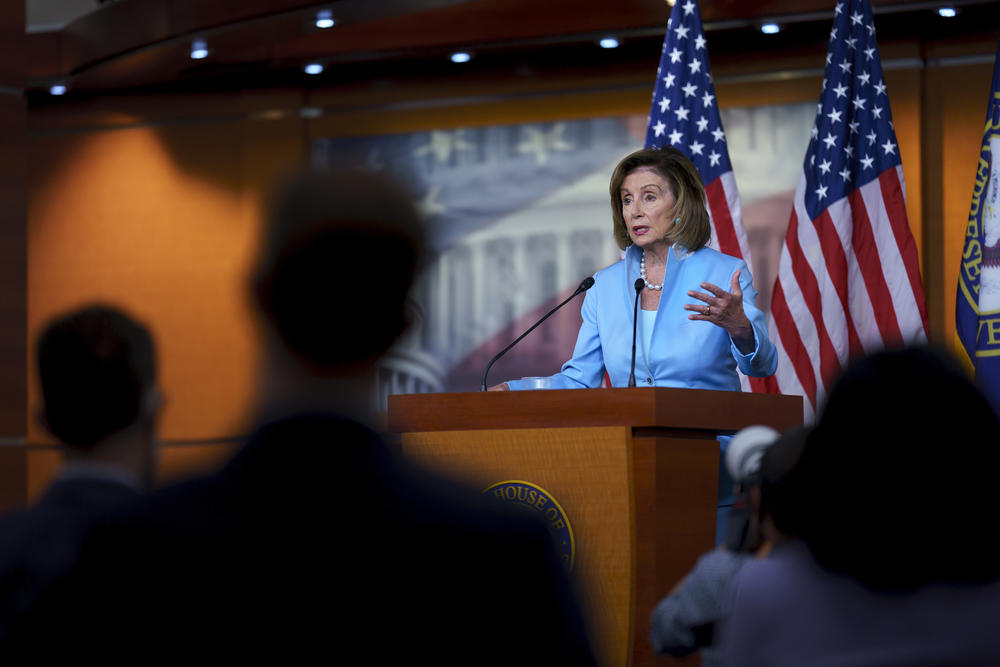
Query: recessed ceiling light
x: 609, y: 43
x: 199, y: 49
x: 947, y: 12
x: 324, y: 18
x: 460, y: 57
x: 57, y: 89
x: 770, y: 28
x: 313, y: 68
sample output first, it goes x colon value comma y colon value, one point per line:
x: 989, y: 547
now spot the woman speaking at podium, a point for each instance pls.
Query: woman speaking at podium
x: 697, y: 321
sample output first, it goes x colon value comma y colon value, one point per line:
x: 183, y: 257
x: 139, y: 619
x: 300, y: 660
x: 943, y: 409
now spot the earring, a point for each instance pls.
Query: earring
x: 677, y: 219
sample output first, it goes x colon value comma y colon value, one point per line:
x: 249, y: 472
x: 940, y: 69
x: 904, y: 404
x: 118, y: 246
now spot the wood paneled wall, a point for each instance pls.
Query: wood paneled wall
x: 953, y: 116
x: 13, y: 285
x: 160, y: 219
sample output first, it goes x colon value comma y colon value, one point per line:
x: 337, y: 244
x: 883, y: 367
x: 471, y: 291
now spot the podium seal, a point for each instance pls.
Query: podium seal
x: 533, y: 497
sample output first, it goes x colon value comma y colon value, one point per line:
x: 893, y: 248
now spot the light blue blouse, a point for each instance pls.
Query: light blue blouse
x: 682, y: 352
x: 647, y: 320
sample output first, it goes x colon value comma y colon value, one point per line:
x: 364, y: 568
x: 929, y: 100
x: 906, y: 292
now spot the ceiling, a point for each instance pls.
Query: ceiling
x: 146, y: 44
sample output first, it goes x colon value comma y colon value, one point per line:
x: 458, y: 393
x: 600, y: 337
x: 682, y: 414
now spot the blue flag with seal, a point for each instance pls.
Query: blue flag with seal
x: 977, y: 306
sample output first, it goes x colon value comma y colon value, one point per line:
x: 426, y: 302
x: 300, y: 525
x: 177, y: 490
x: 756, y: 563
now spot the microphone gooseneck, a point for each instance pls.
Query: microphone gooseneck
x: 639, y: 284
x: 587, y: 283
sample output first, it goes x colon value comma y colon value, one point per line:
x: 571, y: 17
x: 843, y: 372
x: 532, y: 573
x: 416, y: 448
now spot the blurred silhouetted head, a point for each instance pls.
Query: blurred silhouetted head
x: 780, y: 482
x: 339, y: 252
x: 97, y: 368
x: 762, y: 462
x: 900, y: 474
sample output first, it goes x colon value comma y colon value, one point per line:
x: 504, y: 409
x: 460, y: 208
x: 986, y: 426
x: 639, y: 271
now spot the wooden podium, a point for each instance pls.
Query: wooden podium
x: 635, y: 471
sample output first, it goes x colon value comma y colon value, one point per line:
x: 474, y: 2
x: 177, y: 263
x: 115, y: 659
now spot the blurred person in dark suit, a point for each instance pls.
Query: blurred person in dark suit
x: 897, y: 556
x: 316, y: 539
x: 97, y: 373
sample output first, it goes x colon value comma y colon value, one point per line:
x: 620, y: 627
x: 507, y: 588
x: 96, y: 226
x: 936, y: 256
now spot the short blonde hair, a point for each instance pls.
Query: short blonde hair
x: 692, y: 230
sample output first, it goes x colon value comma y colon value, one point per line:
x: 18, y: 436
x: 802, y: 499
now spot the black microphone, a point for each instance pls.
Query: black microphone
x: 639, y: 284
x: 584, y: 286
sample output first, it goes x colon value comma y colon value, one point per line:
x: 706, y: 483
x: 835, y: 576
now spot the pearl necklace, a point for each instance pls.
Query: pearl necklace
x: 642, y: 274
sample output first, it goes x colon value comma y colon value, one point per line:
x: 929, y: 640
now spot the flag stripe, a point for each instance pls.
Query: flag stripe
x: 871, y: 269
x: 723, y: 221
x: 834, y: 319
x: 831, y: 242
x: 768, y: 385
x: 855, y: 322
x: 805, y: 326
x: 893, y: 189
x: 728, y: 181
x: 860, y: 305
x: 792, y: 345
x: 828, y: 362
x: 905, y: 304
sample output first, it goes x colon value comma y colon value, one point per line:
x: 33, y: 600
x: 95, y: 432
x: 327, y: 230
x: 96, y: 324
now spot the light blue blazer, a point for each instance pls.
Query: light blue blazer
x: 682, y: 352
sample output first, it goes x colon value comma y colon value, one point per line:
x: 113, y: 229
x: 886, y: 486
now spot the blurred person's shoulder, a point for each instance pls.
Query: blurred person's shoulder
x: 775, y: 582
x: 300, y: 471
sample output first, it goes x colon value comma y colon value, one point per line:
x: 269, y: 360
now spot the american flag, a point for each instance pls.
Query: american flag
x: 685, y: 115
x: 977, y: 305
x: 848, y: 279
